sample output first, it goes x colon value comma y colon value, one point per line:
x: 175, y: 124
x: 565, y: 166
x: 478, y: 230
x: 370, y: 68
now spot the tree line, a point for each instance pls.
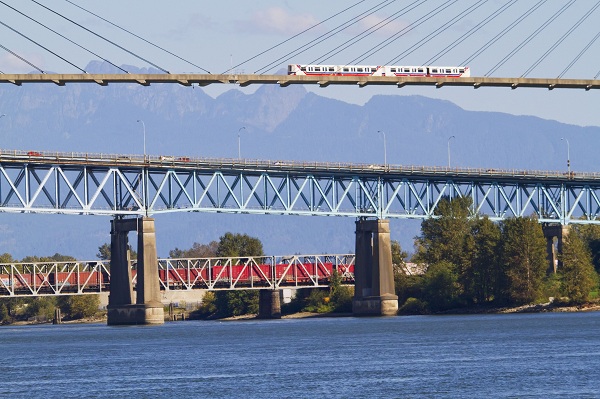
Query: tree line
x: 472, y: 261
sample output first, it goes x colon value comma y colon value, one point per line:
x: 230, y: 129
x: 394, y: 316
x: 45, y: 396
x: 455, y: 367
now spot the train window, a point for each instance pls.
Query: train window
x: 317, y: 69
x: 461, y: 70
x: 434, y: 70
x: 359, y: 69
x: 346, y: 69
x: 448, y: 71
x: 393, y: 69
x: 373, y: 69
x: 303, y: 69
x: 406, y: 69
x: 421, y: 70
x: 310, y: 69
x: 331, y: 69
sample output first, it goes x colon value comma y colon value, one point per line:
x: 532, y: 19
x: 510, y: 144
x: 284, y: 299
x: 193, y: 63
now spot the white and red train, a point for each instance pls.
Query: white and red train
x: 380, y: 70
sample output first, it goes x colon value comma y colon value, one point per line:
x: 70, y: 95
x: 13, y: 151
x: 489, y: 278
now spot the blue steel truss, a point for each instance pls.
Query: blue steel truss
x: 99, y: 184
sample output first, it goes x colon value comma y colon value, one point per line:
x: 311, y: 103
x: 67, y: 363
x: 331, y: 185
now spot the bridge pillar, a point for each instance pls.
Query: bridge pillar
x: 374, y: 292
x: 147, y: 309
x: 269, y: 304
x: 552, y: 231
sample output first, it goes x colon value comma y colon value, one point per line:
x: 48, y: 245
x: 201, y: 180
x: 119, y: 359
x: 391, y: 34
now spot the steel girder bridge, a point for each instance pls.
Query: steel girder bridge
x: 124, y: 185
x: 229, y: 273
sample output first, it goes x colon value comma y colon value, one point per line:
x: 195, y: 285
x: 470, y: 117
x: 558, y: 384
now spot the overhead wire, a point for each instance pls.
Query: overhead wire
x: 326, y: 35
x: 561, y: 39
x: 137, y: 36
x: 367, y: 32
x: 22, y: 59
x: 438, y: 31
x: 402, y: 32
x: 101, y: 37
x: 503, y: 32
x: 531, y: 37
x: 581, y: 53
x: 470, y: 32
x: 42, y: 46
x: 63, y: 36
x: 294, y: 36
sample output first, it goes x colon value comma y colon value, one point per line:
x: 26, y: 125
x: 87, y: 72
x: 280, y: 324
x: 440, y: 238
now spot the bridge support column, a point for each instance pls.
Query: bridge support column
x: 552, y: 231
x: 374, y: 292
x: 269, y: 304
x: 147, y: 309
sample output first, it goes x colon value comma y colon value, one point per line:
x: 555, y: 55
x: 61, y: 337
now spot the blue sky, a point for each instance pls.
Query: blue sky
x: 218, y: 35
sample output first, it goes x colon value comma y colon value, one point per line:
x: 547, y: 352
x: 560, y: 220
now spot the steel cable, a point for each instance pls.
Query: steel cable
x: 438, y: 31
x: 22, y: 59
x: 471, y: 31
x: 367, y: 32
x: 101, y: 37
x: 503, y: 32
x: 531, y: 37
x: 45, y: 48
x: 295, y: 36
x: 326, y: 35
x: 402, y: 32
x: 562, y: 38
x: 581, y: 53
x: 139, y: 37
x: 64, y: 37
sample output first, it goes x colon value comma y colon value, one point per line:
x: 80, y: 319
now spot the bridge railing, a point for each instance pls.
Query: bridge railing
x: 187, y: 162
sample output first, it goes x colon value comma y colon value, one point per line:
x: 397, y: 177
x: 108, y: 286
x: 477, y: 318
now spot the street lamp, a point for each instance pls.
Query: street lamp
x: 240, y: 142
x: 384, y: 148
x: 144, y: 127
x: 449, y: 138
x: 568, y: 155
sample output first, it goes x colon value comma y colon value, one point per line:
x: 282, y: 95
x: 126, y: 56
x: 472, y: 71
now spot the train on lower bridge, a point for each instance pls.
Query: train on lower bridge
x: 65, y: 278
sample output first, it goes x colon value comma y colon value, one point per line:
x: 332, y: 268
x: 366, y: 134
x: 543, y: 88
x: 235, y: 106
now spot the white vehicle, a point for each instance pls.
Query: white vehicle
x: 379, y: 70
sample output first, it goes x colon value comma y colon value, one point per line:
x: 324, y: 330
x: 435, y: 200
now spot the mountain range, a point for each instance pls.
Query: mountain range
x: 278, y: 123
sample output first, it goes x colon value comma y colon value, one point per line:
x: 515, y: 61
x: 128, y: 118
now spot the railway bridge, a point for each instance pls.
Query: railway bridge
x: 132, y: 189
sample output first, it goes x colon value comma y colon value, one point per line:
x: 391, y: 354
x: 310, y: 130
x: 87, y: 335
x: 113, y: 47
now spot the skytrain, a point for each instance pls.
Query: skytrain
x: 380, y: 70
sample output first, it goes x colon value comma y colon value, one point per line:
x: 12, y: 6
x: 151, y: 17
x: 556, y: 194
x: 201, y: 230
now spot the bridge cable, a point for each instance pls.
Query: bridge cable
x: 403, y: 31
x: 471, y: 31
x: 139, y: 37
x: 326, y: 35
x: 437, y: 32
x: 503, y: 32
x: 64, y: 37
x: 581, y: 53
x: 562, y: 38
x: 367, y: 32
x: 293, y: 37
x: 21, y: 58
x: 101, y: 37
x: 531, y: 37
x: 40, y: 45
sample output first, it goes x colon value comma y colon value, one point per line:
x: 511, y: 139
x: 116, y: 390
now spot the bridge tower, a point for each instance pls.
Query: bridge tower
x: 374, y: 292
x: 147, y: 308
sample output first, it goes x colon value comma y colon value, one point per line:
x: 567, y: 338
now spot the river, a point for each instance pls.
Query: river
x: 545, y: 355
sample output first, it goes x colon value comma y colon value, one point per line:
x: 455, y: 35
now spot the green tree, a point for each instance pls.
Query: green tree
x: 79, y: 306
x: 486, y: 268
x: 590, y: 234
x: 398, y: 255
x: 40, y: 307
x: 237, y: 245
x: 577, y: 273
x: 523, y: 260
x: 6, y: 258
x: 197, y: 251
x: 104, y: 252
x: 440, y: 286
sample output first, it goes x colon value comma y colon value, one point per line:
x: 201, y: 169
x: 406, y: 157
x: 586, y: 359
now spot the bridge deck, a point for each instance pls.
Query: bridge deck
x: 286, y: 80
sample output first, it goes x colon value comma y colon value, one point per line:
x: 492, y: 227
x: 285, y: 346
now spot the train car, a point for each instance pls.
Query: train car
x: 379, y: 70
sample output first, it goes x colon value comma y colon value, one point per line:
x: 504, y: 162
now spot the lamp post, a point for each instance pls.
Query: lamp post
x: 240, y: 142
x: 384, y: 147
x: 568, y: 155
x: 449, y: 138
x: 144, y: 129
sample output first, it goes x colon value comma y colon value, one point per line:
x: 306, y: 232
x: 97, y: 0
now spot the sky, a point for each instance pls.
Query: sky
x: 217, y: 36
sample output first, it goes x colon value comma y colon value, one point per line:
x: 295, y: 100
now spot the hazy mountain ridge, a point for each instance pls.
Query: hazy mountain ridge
x: 280, y: 123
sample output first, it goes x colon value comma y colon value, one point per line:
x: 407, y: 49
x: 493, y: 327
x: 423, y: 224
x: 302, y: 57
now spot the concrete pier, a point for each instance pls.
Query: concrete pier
x: 269, y: 304
x: 147, y: 308
x: 552, y: 232
x: 374, y: 293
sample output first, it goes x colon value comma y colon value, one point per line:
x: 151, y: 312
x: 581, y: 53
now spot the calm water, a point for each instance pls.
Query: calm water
x: 484, y: 356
